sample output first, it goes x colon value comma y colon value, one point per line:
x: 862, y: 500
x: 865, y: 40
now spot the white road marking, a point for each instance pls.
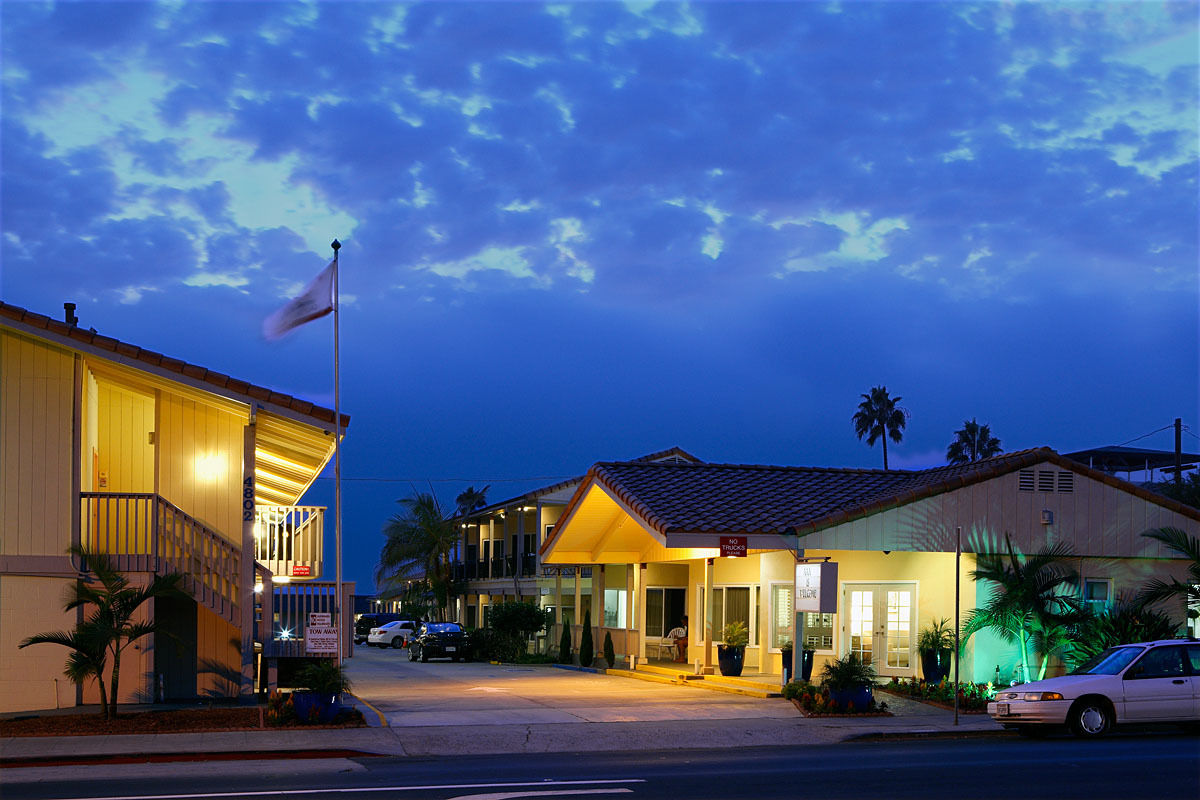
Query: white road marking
x: 511, y: 795
x: 359, y: 789
x: 485, y: 689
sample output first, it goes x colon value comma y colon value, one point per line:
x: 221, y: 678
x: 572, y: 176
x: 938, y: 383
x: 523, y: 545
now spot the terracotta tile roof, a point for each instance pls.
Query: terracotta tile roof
x: 738, y: 498
x: 57, y: 330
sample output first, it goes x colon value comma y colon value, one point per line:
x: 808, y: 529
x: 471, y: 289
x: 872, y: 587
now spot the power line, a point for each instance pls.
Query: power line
x: 1151, y: 433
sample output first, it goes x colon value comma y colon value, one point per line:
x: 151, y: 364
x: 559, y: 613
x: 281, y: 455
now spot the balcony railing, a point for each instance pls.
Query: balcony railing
x: 144, y: 533
x: 523, y: 565
x: 290, y: 540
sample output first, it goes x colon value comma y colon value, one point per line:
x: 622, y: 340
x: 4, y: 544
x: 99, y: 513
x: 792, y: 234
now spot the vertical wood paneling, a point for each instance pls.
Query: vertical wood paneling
x: 36, y: 388
x: 192, y: 431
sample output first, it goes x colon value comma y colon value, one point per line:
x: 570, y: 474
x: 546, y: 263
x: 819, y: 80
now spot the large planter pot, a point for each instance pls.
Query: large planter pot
x: 859, y: 695
x: 730, y: 660
x: 327, y: 706
x: 786, y: 657
x: 806, y: 664
x: 935, y: 665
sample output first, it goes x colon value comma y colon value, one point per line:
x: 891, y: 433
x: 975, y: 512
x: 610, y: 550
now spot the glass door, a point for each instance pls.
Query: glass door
x: 878, y: 626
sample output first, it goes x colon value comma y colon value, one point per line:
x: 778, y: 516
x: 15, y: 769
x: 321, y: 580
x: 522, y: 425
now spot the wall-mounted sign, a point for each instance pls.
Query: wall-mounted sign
x: 733, y: 547
x: 320, y: 639
x: 301, y: 570
x: 319, y: 619
x: 816, y: 587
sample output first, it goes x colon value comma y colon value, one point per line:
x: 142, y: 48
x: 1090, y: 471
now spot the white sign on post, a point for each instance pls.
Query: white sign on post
x: 816, y: 587
x: 318, y: 619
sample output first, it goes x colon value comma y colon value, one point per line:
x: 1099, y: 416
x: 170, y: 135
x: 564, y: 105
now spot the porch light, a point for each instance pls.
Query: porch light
x: 258, y: 587
x: 281, y: 579
x: 210, y: 467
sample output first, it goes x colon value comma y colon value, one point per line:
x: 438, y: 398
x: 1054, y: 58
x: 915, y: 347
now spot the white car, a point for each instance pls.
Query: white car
x: 1133, y: 683
x: 391, y: 634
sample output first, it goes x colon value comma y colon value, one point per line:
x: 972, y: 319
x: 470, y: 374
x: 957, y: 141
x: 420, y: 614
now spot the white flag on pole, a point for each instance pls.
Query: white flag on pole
x: 313, y: 303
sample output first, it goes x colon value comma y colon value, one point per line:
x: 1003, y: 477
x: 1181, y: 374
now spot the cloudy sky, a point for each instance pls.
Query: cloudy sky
x: 583, y: 232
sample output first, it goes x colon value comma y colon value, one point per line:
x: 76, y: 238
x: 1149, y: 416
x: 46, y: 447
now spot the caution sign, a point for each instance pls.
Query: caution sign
x: 320, y: 639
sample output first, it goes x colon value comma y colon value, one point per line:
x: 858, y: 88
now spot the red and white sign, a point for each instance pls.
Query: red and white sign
x: 733, y: 547
x: 320, y: 619
x: 301, y: 570
x: 320, y: 640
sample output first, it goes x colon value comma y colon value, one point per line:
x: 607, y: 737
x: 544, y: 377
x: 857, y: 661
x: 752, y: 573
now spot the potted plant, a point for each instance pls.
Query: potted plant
x: 935, y: 643
x: 732, y: 654
x: 325, y: 680
x: 849, y: 680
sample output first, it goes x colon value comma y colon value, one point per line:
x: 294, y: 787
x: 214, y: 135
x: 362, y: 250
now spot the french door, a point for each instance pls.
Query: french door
x: 878, y: 626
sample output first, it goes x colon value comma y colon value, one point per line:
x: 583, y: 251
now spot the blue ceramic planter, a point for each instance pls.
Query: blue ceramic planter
x: 327, y: 706
x: 730, y: 660
x: 859, y: 695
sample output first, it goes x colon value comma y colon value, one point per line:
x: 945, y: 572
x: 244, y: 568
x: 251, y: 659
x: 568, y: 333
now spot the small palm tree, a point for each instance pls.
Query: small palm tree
x: 109, y: 627
x: 418, y: 542
x: 1187, y: 592
x: 1026, y: 605
x: 971, y: 443
x: 879, y: 418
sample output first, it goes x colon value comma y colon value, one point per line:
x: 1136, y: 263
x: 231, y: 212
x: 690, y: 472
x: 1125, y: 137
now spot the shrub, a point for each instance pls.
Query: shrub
x: 485, y: 644
x: 565, y: 656
x: 610, y: 655
x: 280, y: 709
x: 937, y: 638
x: 847, y: 673
x: 324, y: 676
x: 586, y: 649
x: 736, y: 634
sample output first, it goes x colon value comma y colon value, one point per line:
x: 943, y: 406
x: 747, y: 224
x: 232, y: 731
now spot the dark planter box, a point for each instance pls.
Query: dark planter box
x: 859, y: 695
x: 327, y: 706
x: 806, y: 665
x: 730, y: 660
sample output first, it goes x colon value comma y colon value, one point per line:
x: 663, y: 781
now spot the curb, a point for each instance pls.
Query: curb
x: 164, y: 758
x: 876, y: 736
x: 574, y: 668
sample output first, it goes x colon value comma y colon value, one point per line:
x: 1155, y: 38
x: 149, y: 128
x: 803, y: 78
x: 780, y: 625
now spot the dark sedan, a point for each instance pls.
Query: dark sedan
x: 437, y: 640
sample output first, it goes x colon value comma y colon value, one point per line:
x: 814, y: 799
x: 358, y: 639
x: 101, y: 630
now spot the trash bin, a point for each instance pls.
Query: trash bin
x: 806, y: 665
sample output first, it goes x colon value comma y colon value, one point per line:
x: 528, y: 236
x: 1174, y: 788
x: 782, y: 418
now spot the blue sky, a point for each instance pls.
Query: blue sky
x: 582, y: 232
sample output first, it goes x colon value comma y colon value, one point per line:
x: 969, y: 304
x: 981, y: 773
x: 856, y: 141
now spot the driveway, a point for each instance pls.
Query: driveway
x: 437, y: 693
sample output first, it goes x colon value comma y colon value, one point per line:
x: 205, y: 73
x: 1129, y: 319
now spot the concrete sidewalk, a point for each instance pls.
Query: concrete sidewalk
x: 457, y: 736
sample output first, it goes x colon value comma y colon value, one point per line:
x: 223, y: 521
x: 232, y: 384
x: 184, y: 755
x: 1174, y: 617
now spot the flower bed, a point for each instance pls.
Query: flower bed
x: 218, y: 718
x: 972, y: 697
x: 814, y: 701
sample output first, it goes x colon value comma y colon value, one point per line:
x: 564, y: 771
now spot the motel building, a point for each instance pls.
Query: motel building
x: 651, y: 535
x: 163, y: 466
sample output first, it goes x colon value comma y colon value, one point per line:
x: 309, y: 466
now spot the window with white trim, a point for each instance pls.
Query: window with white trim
x: 730, y: 604
x: 1097, y: 593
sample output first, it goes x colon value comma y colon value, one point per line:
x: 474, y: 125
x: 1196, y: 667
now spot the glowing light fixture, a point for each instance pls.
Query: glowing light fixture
x: 210, y: 467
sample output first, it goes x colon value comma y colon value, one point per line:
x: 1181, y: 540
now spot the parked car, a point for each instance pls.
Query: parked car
x: 365, y: 622
x: 1134, y: 683
x: 391, y: 634
x: 438, y: 640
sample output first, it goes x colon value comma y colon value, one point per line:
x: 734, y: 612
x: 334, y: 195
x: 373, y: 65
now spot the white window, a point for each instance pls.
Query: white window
x: 731, y: 604
x: 614, y: 608
x: 781, y: 614
x: 1097, y: 593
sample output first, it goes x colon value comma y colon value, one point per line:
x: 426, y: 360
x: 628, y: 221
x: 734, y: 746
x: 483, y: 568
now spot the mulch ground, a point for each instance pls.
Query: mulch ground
x: 200, y: 720
x: 934, y: 703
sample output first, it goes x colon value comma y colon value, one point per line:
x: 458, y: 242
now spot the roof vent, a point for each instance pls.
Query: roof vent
x: 71, y: 319
x: 1066, y: 481
x: 1025, y: 480
x: 1045, y: 480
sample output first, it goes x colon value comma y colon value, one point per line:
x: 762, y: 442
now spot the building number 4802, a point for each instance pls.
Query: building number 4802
x: 248, y: 499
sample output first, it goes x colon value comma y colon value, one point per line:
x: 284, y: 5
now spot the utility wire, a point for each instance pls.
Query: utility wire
x: 1151, y: 433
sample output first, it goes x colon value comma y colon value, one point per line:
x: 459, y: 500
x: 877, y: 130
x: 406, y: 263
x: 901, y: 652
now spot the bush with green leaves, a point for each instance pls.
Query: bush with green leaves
x: 610, y: 655
x: 586, y: 648
x: 1125, y: 622
x: 324, y: 676
x: 735, y: 634
x: 565, y: 655
x: 938, y: 637
x: 850, y: 672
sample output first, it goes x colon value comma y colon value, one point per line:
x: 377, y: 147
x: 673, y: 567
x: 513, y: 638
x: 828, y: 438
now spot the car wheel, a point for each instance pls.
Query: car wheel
x: 1090, y: 717
x: 397, y: 642
x: 424, y: 656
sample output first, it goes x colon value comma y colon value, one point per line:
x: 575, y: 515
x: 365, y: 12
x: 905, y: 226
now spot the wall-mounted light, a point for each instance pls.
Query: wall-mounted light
x: 210, y: 467
x: 1047, y: 516
x: 258, y: 587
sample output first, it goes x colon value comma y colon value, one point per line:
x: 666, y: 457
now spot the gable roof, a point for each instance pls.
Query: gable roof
x: 734, y: 499
x: 670, y: 455
x: 150, y: 361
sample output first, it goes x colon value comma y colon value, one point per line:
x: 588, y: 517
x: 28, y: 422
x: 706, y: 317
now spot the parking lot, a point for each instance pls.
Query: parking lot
x: 445, y: 693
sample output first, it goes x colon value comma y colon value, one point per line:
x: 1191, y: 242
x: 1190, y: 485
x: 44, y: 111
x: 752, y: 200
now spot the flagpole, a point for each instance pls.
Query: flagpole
x: 337, y: 452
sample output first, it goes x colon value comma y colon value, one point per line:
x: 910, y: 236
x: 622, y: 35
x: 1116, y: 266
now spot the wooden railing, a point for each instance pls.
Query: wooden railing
x: 290, y: 540
x: 143, y: 532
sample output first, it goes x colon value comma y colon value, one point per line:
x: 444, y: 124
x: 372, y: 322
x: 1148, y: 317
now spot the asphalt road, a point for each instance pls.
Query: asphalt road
x: 1123, y: 767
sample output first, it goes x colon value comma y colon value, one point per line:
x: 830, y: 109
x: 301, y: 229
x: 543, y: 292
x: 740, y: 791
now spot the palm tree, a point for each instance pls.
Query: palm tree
x: 470, y: 499
x: 418, y: 543
x: 878, y: 417
x: 971, y: 443
x: 1187, y: 592
x: 109, y: 627
x: 1025, y: 605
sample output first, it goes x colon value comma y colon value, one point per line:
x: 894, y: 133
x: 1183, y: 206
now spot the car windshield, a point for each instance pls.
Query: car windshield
x: 1110, y: 662
x: 443, y: 627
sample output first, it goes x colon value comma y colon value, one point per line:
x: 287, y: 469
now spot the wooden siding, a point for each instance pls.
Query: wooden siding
x: 1094, y: 520
x: 218, y: 655
x: 36, y: 399
x: 28, y: 677
x: 125, y: 420
x: 200, y: 462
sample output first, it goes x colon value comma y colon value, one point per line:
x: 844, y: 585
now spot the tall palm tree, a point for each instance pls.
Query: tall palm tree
x: 878, y: 417
x: 418, y: 543
x: 971, y: 443
x: 109, y: 627
x: 470, y: 499
x: 1157, y: 590
x: 1026, y: 605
